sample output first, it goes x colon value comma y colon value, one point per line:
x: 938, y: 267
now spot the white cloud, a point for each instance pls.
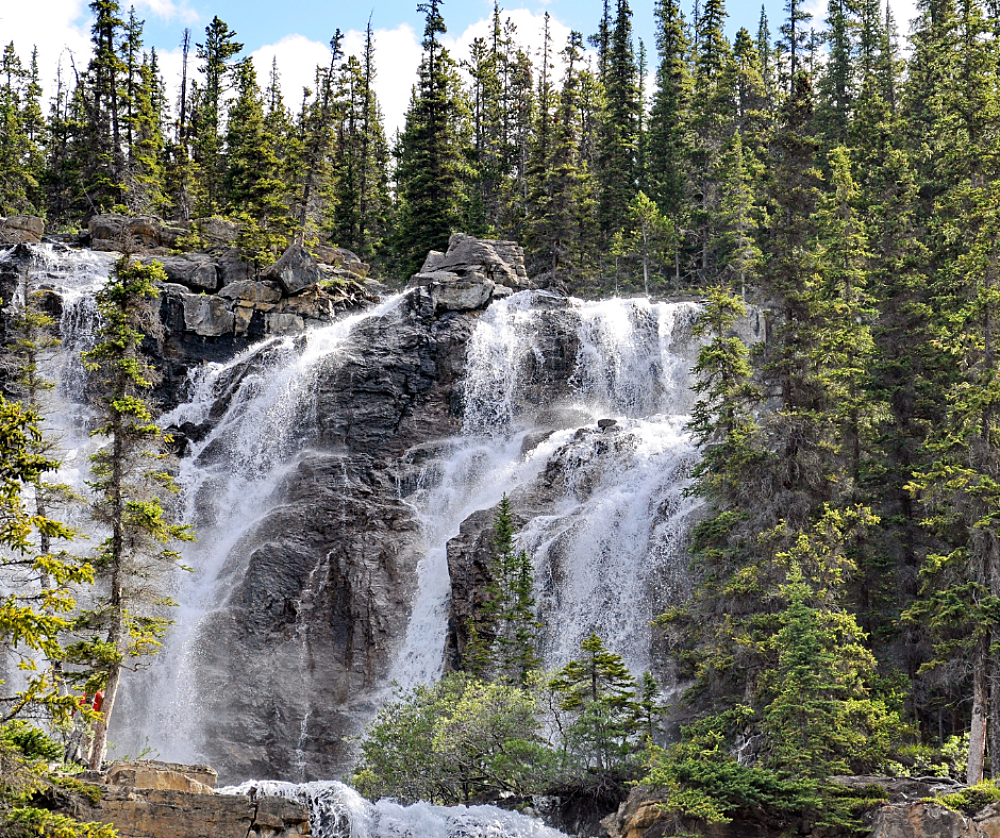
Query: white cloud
x: 397, y: 57
x: 166, y: 10
x: 298, y: 57
x: 65, y: 30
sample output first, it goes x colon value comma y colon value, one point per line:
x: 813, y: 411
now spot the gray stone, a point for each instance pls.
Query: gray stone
x: 284, y: 324
x: 253, y: 292
x: 232, y: 268
x: 336, y: 560
x: 467, y: 253
x: 469, y: 258
x: 217, y: 230
x: 113, y: 231
x: 194, y: 270
x: 434, y: 258
x: 21, y: 229
x: 207, y: 316
x: 461, y: 295
x: 296, y: 270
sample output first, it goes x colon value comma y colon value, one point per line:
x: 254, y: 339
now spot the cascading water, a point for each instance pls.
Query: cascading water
x: 230, y: 481
x: 575, y: 410
x: 337, y: 811
x: 607, y: 547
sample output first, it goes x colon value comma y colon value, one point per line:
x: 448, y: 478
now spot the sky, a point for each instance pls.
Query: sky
x: 298, y: 32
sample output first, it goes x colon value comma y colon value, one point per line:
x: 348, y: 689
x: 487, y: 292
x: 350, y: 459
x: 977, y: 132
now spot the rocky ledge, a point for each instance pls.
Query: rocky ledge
x: 150, y: 799
x: 909, y: 811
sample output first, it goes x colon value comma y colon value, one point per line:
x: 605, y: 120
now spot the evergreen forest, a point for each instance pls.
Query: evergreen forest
x: 836, y: 174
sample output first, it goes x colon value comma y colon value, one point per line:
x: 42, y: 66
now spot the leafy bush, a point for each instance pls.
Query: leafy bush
x: 456, y: 741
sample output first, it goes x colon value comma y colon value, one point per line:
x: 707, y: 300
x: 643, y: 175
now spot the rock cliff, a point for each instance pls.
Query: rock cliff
x: 163, y: 800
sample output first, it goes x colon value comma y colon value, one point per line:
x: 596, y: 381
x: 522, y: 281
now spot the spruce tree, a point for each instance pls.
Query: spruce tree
x: 129, y: 484
x: 431, y: 170
x: 216, y: 53
x: 619, y: 143
x: 600, y: 695
x: 252, y: 189
x: 504, y: 631
x: 668, y: 121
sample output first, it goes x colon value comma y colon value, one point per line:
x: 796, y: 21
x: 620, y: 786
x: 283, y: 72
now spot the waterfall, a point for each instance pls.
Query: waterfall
x: 337, y: 811
x: 576, y: 410
x: 229, y: 482
x: 608, y: 547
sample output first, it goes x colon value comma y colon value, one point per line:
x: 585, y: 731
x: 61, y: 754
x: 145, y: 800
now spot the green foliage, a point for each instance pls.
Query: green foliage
x: 31, y: 742
x: 606, y: 710
x: 503, y: 632
x: 129, y: 484
x: 971, y: 800
x: 28, y: 822
x: 454, y: 742
x: 700, y: 782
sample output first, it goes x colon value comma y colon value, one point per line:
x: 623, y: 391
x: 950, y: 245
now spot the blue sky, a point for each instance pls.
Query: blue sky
x: 263, y: 23
x: 297, y: 31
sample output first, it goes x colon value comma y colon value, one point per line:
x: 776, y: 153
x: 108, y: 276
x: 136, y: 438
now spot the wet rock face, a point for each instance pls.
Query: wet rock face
x: 321, y: 589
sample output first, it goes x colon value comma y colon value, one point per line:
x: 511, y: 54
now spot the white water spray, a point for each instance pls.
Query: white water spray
x: 337, y: 811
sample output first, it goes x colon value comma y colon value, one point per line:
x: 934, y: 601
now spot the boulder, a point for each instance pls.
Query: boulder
x: 340, y: 257
x: 252, y: 292
x: 21, y: 229
x: 296, y: 270
x: 151, y: 799
x: 164, y: 776
x: 232, y: 268
x: 207, y: 316
x: 284, y: 324
x: 113, y: 231
x: 461, y: 294
x: 469, y: 258
x: 434, y: 258
x: 217, y: 230
x: 193, y: 270
x: 926, y: 820
x: 166, y: 813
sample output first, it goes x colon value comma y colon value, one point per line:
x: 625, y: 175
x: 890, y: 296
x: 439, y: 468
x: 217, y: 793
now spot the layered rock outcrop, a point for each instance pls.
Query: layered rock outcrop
x: 21, y: 229
x: 164, y: 800
x: 321, y: 589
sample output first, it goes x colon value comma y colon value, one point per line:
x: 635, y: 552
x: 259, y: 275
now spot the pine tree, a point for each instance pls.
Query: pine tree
x: 836, y: 85
x: 431, y: 170
x: 101, y: 158
x: 358, y: 211
x: 15, y: 181
x: 600, y: 694
x: 738, y: 254
x: 820, y: 718
x: 208, y: 112
x: 795, y: 35
x: 503, y: 634
x: 649, y: 236
x: 557, y: 201
x: 36, y: 608
x: 617, y: 170
x: 252, y: 189
x: 129, y: 484
x: 668, y: 121
x: 713, y: 122
x: 753, y: 116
